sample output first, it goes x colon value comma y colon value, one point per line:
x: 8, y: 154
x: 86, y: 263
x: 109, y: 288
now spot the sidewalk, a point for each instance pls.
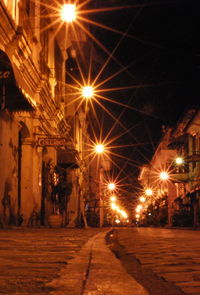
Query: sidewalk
x: 95, y: 271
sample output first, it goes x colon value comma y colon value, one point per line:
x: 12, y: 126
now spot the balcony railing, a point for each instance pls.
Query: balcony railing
x: 180, y: 173
x: 194, y: 157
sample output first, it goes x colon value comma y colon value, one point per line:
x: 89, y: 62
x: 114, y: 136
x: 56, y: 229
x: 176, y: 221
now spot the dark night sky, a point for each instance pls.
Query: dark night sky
x: 163, y: 52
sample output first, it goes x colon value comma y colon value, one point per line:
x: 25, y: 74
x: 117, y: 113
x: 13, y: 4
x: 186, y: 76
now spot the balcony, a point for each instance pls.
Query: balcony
x: 180, y: 174
x: 180, y: 177
x: 194, y: 157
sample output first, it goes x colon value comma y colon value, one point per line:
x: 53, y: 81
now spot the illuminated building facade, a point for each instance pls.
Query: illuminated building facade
x: 182, y: 189
x: 43, y: 168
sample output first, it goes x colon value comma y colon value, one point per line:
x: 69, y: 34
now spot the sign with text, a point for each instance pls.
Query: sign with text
x: 52, y: 141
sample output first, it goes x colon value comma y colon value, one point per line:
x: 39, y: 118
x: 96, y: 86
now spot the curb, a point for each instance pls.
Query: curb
x: 95, y: 271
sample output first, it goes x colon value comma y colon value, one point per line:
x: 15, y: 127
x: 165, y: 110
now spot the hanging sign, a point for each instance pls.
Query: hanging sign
x: 52, y: 141
x: 5, y: 74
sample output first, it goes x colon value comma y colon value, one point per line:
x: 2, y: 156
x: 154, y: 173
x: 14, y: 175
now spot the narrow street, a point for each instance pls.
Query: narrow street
x: 164, y: 261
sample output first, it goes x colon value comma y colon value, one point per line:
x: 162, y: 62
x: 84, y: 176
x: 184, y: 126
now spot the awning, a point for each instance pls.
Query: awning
x: 15, y: 95
x: 67, y: 158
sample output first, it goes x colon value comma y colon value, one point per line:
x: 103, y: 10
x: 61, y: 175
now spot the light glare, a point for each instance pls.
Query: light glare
x: 113, y: 198
x: 111, y: 186
x: 68, y: 13
x: 113, y: 206
x: 142, y: 199
x: 179, y: 160
x: 164, y: 175
x: 99, y: 148
x: 149, y: 192
x: 87, y: 91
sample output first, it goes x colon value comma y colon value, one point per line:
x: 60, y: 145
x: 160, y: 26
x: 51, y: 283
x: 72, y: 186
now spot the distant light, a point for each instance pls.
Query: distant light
x: 68, y: 13
x: 142, y: 199
x: 179, y: 160
x: 124, y: 214
x: 137, y: 215
x: 117, y: 221
x: 149, y: 192
x: 111, y: 186
x: 139, y: 207
x: 87, y: 91
x: 99, y: 148
x: 113, y: 206
x: 164, y: 175
x: 113, y: 198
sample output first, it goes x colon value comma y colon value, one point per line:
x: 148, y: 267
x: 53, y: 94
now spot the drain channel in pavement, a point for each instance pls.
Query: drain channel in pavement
x: 154, y: 284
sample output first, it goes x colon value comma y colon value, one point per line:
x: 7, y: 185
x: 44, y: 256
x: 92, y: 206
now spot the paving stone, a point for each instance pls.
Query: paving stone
x: 172, y: 254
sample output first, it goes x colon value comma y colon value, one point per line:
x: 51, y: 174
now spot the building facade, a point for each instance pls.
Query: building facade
x: 43, y: 166
x: 178, y: 155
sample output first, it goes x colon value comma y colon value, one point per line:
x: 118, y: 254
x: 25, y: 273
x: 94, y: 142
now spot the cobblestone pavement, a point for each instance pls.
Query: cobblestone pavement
x: 172, y: 254
x: 30, y: 258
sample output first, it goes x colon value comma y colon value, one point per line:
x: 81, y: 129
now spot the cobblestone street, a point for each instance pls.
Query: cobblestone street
x: 30, y: 258
x: 172, y: 254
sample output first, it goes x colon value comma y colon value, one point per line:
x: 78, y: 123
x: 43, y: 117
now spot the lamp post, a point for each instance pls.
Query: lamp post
x: 99, y: 149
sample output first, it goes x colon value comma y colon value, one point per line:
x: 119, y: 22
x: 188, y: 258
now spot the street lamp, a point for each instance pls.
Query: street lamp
x: 113, y: 198
x: 87, y: 91
x: 149, y: 192
x: 179, y: 161
x: 114, y: 206
x: 164, y: 175
x: 139, y: 207
x: 111, y: 186
x: 68, y: 13
x: 142, y: 199
x: 99, y: 148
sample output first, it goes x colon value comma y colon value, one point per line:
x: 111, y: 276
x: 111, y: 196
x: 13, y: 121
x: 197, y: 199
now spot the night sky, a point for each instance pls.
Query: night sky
x: 163, y: 58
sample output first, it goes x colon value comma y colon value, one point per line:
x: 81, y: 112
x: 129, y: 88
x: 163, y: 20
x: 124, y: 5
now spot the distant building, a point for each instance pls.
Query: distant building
x: 178, y: 155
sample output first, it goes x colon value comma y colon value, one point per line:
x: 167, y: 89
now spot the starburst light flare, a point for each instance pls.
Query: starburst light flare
x: 164, y: 175
x: 99, y: 148
x: 111, y: 186
x: 68, y: 13
x: 142, y: 199
x: 87, y: 91
x: 179, y: 161
x: 113, y: 198
x: 148, y: 192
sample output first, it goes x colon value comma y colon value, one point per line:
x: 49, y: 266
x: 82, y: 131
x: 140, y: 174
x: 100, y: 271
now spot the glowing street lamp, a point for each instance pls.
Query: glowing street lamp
x: 149, y: 192
x: 113, y: 198
x: 87, y: 91
x: 68, y: 13
x: 142, y: 199
x: 113, y: 206
x: 179, y: 161
x: 139, y: 207
x: 164, y: 175
x: 99, y: 148
x: 111, y: 186
x: 124, y: 214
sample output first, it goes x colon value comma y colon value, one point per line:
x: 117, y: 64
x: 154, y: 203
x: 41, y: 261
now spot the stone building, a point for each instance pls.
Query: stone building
x: 43, y: 166
x: 181, y: 189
